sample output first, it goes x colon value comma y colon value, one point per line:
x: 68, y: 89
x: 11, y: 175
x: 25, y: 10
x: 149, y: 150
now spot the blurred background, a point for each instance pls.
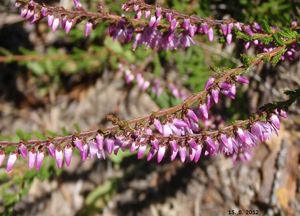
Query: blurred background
x: 55, y: 84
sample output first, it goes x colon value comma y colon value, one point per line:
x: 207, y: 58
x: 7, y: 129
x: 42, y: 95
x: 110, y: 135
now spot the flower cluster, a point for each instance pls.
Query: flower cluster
x: 234, y: 141
x: 160, y: 28
x: 183, y: 131
x: 153, y: 84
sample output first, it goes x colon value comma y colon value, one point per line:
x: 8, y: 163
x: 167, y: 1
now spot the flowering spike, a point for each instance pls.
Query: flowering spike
x: 11, y: 161
x: 39, y: 160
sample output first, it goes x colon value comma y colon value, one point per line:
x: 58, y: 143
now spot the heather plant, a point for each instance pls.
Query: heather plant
x: 190, y: 128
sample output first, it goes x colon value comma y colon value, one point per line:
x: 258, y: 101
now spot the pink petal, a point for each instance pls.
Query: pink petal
x: 11, y: 161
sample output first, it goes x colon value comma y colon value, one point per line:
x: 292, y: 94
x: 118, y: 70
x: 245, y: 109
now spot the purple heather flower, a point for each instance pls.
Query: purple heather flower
x: 229, y: 39
x: 59, y: 157
x: 182, y: 153
x: 174, y: 145
x: 247, y: 45
x: 78, y: 143
x: 241, y: 134
x: 51, y: 149
x: 242, y: 79
x: 227, y: 145
x: 209, y: 101
x: 50, y: 20
x: 166, y: 131
x: 2, y: 157
x: 204, y: 111
x: 11, y: 161
x: 224, y: 29
x: 229, y: 28
x: 180, y: 123
x: 138, y: 15
x: 198, y: 151
x: 261, y: 131
x: 39, y: 160
x: 186, y: 24
x: 88, y: 29
x: 68, y: 151
x: 192, y: 30
x: 238, y: 26
x: 147, y: 14
x: 191, y: 115
x: 204, y: 28
x: 225, y: 86
x: 210, y: 34
x: 68, y: 26
x: 173, y: 24
x: 77, y: 4
x: 152, y: 22
x: 174, y: 154
x: 30, y: 14
x: 23, y: 150
x: 211, y: 146
x: 93, y: 149
x: 161, y: 153
x: 192, y: 143
x: 24, y: 12
x: 151, y: 154
x: 192, y: 153
x: 209, y: 83
x: 109, y: 144
x: 55, y: 24
x: 282, y: 113
x: 44, y: 11
x: 215, y: 95
x: 154, y: 143
x: 99, y: 141
x: 101, y: 154
x: 157, y: 124
x: 141, y: 151
x: 158, y: 12
x: 31, y: 158
x: 84, y: 152
x: 248, y: 30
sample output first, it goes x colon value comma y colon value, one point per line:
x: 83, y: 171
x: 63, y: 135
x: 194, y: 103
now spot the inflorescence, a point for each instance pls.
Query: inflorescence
x: 160, y: 28
x: 181, y: 131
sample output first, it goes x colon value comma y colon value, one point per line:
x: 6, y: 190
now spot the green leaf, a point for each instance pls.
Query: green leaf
x: 36, y: 68
x: 113, y: 45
